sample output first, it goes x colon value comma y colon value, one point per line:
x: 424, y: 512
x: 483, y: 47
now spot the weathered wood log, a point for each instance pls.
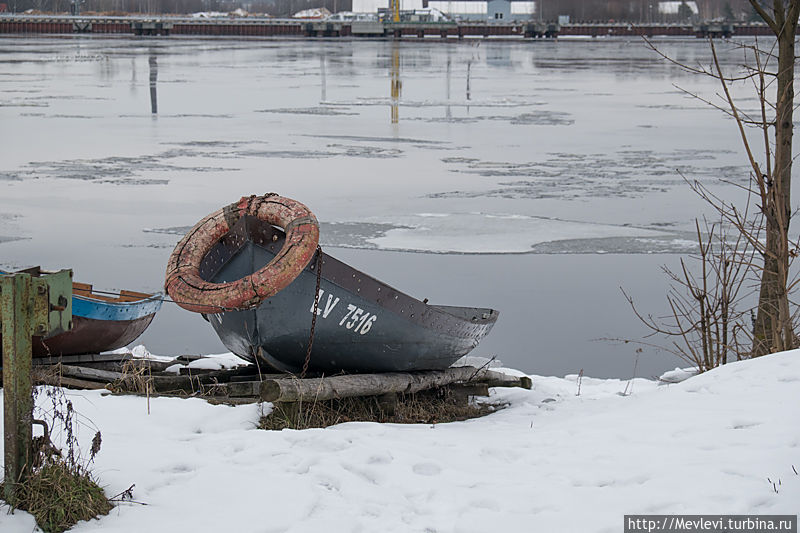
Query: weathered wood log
x: 79, y: 359
x: 225, y: 374
x: 153, y: 366
x: 74, y: 383
x: 465, y: 390
x: 176, y: 383
x: 91, y: 374
x: 188, y: 371
x: 387, y: 403
x: 227, y: 400
x: 104, y: 361
x: 496, y: 379
x: 297, y: 390
x: 252, y: 375
x: 160, y: 383
x: 241, y: 389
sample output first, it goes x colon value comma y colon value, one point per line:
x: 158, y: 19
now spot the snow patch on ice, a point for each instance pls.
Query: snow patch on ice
x: 491, y: 232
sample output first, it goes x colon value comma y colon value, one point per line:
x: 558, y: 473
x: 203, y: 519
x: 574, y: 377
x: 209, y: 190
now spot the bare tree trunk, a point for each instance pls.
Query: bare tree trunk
x: 773, y: 328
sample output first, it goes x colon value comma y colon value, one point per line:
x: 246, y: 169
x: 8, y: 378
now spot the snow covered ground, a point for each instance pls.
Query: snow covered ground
x: 552, y: 461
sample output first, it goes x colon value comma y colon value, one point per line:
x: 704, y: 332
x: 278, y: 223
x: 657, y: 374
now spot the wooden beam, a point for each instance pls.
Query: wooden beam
x: 465, y: 390
x: 297, y: 390
x: 91, y: 374
x: 74, y: 383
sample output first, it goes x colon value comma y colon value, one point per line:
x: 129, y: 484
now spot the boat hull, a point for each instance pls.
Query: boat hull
x: 362, y: 325
x: 92, y: 336
x: 99, y: 323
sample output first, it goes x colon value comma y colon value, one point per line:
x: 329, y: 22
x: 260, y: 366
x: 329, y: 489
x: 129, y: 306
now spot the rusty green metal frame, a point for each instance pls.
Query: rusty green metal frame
x: 29, y: 306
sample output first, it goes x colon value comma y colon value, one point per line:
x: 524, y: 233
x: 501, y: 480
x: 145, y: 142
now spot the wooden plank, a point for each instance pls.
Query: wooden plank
x: 496, y: 379
x: 152, y: 366
x: 90, y: 374
x: 237, y: 389
x: 194, y: 383
x: 77, y: 286
x: 242, y: 385
x: 227, y: 400
x: 96, y: 374
x: 133, y: 296
x: 187, y: 371
x: 71, y: 359
x: 82, y: 359
x: 74, y: 383
x: 211, y: 399
x: 85, y: 289
x: 253, y: 376
x: 466, y: 390
x: 387, y: 403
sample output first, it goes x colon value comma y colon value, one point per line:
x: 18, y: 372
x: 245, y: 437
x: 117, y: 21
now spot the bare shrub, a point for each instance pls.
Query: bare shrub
x: 705, y: 326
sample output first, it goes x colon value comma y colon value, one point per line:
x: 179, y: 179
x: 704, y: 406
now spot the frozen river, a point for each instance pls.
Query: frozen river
x: 533, y: 177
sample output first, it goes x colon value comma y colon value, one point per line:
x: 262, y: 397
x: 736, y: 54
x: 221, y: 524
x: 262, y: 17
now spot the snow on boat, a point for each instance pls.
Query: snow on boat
x: 362, y: 324
x: 100, y: 322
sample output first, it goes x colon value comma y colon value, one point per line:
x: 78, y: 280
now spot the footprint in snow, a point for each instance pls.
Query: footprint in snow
x: 744, y: 425
x: 182, y: 469
x: 381, y: 459
x: 427, y: 469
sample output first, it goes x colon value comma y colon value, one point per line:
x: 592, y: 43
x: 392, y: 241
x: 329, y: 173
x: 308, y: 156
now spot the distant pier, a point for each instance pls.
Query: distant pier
x: 272, y: 27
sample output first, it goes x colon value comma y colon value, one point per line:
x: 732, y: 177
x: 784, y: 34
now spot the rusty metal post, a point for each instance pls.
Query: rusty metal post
x: 17, y: 314
x: 29, y: 306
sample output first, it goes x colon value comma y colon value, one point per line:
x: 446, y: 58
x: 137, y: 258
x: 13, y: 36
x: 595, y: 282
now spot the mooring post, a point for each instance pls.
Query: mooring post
x: 29, y: 306
x: 17, y: 309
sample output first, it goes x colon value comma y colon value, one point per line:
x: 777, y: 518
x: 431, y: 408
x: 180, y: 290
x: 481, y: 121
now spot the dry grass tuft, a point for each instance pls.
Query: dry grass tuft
x: 59, y: 490
x: 429, y: 407
x: 59, y: 496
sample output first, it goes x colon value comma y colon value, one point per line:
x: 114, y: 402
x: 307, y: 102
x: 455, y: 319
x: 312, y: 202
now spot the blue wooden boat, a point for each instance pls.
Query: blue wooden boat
x: 100, y: 322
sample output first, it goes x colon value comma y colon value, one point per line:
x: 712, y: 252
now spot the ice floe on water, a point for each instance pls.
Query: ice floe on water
x: 487, y: 233
x: 491, y: 233
x: 329, y: 110
x: 538, y: 118
x: 625, y: 173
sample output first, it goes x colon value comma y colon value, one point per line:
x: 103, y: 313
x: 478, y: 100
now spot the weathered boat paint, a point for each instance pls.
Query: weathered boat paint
x: 114, y: 311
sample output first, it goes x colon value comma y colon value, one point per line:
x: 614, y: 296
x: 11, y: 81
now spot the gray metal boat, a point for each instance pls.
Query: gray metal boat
x: 362, y: 324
